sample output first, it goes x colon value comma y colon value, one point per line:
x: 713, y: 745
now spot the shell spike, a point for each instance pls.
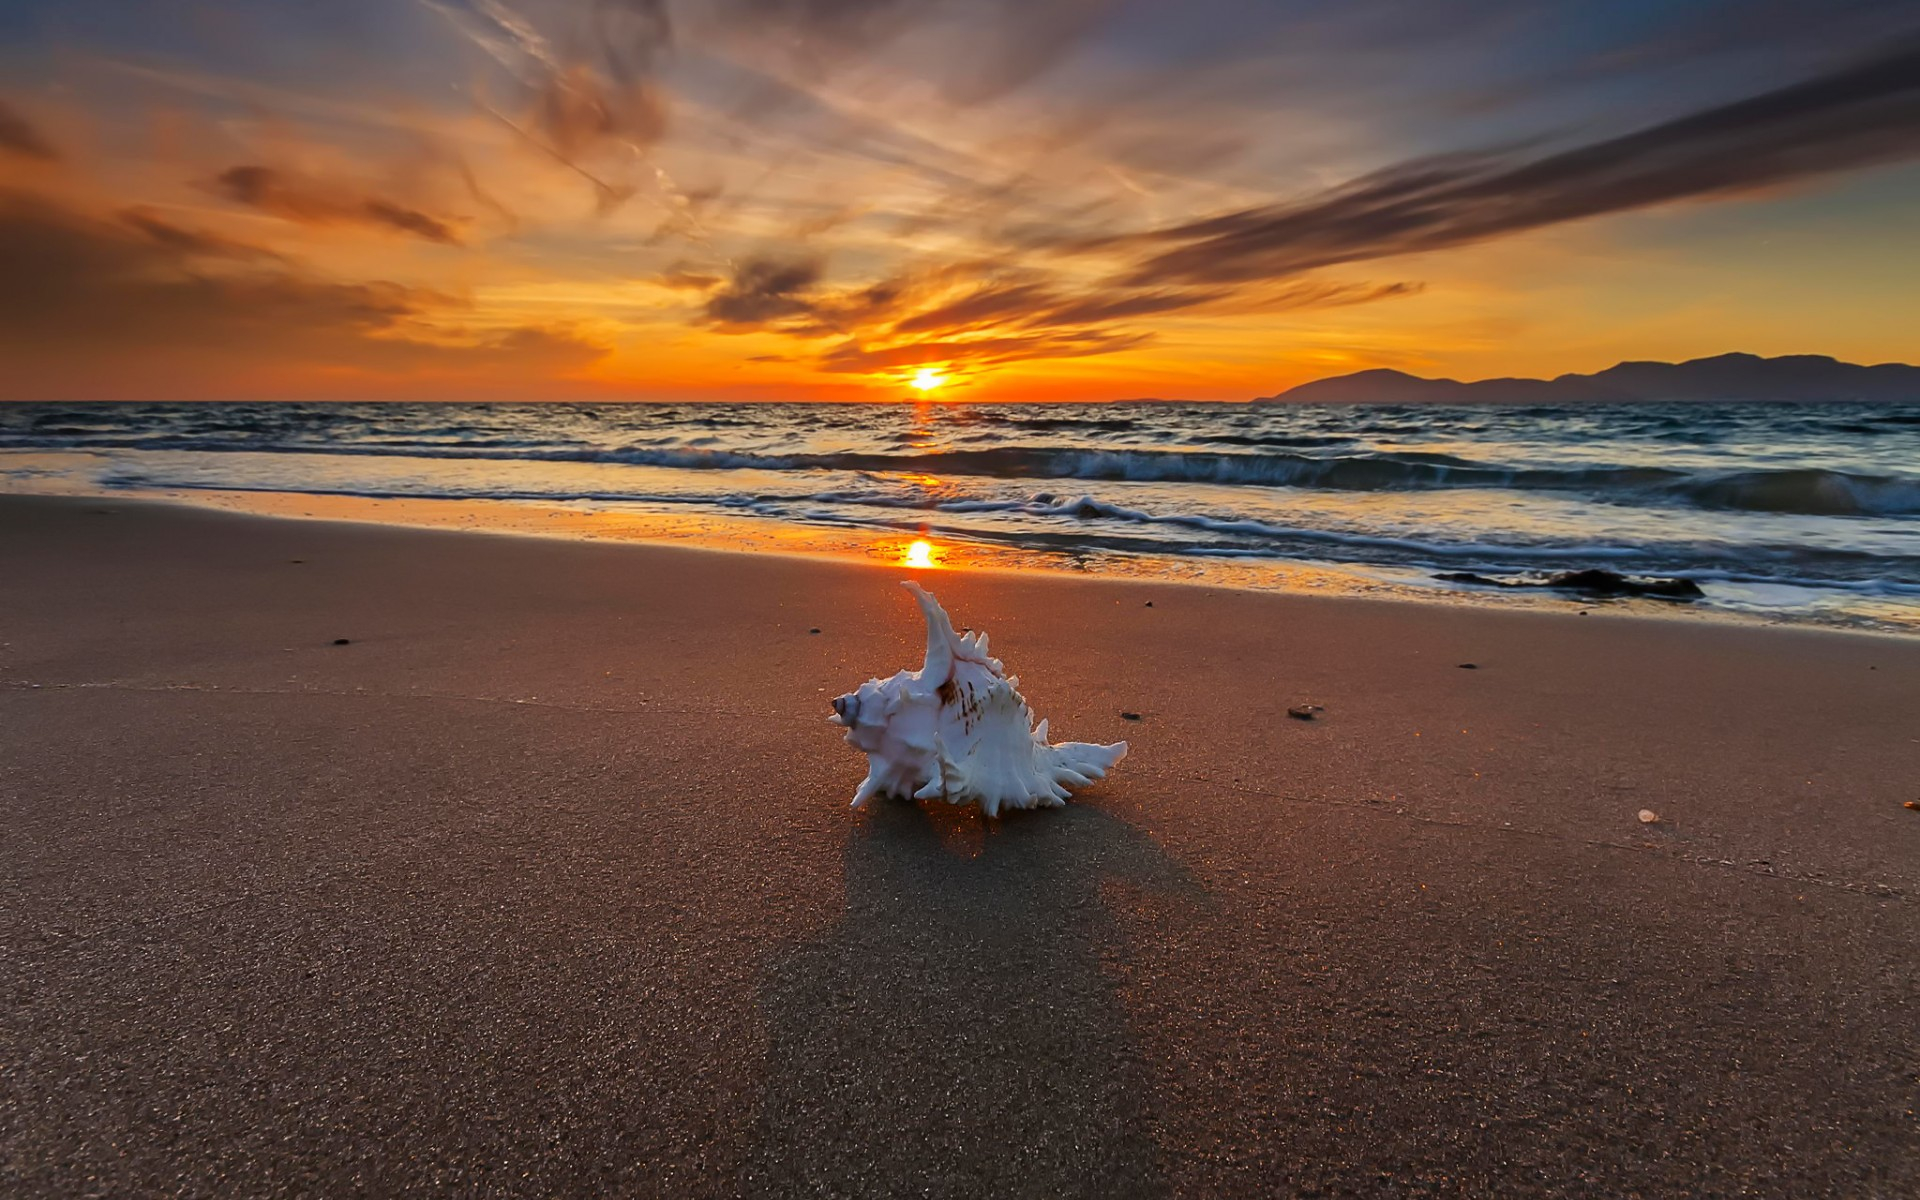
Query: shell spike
x: 941, y: 639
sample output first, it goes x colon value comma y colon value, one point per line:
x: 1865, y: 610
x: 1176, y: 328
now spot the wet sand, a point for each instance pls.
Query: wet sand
x: 544, y: 884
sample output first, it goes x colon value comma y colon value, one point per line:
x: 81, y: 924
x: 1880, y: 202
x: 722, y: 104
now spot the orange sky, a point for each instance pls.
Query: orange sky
x: 584, y: 199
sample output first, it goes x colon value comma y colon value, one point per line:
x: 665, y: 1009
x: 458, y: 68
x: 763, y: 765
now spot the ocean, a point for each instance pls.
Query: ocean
x: 1786, y: 511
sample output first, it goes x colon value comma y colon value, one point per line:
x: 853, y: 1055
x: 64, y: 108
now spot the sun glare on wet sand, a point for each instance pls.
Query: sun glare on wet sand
x: 919, y: 554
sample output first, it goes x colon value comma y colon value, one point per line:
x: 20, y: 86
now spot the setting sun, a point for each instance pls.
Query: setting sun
x: 926, y: 379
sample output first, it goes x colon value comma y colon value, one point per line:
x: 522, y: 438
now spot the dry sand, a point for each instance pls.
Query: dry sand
x: 545, y: 885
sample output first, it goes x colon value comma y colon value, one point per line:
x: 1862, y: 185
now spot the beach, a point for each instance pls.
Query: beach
x: 544, y: 882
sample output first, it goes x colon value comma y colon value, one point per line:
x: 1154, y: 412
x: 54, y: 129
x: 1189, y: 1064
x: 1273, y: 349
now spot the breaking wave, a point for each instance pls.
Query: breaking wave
x: 1806, y: 491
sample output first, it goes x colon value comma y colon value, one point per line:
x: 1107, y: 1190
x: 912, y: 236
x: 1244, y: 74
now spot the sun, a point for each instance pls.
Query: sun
x: 926, y: 379
x: 919, y: 554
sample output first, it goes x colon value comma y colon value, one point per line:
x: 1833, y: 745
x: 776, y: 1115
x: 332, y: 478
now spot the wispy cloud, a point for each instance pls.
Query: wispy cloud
x: 1862, y: 114
x: 19, y: 137
x: 72, y: 283
x: 976, y: 314
x: 296, y: 197
x: 980, y: 352
x: 191, y: 243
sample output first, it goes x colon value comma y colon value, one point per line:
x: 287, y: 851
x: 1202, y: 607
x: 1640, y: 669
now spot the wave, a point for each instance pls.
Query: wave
x: 1099, y: 525
x: 1809, y: 491
x: 1794, y: 491
x: 1053, y: 423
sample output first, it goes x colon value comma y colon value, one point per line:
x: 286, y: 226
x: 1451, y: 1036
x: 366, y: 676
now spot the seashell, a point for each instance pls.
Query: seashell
x: 958, y: 730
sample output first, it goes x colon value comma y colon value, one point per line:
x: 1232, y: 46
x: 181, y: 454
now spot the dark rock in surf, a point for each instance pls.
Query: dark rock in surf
x: 1591, y: 582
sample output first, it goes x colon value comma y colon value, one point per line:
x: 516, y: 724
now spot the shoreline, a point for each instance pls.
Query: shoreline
x: 545, y: 880
x: 820, y: 544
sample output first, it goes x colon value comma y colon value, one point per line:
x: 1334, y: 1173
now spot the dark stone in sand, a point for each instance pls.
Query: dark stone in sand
x: 1469, y: 666
x: 1127, y: 716
x: 1305, y: 712
x: 815, y: 630
x: 342, y: 642
x: 1594, y: 582
x: 1149, y: 604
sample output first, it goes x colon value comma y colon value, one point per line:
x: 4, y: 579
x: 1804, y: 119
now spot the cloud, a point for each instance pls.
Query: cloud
x: 853, y: 357
x: 597, y: 84
x: 683, y: 277
x: 970, y: 313
x: 764, y: 292
x: 788, y: 296
x: 309, y: 201
x: 987, y: 305
x: 1029, y: 305
x: 190, y: 243
x: 585, y: 76
x: 84, y: 296
x: 1860, y: 115
x: 578, y: 111
x: 989, y: 46
x: 18, y: 136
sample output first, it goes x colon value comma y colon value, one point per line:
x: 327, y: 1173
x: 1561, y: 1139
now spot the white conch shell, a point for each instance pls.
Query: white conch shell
x: 957, y: 730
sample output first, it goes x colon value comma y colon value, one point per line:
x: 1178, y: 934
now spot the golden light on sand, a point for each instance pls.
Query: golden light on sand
x: 919, y: 554
x: 925, y: 380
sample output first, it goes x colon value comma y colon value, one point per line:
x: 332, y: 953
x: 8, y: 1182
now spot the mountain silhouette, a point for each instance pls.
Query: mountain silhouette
x: 1794, y: 377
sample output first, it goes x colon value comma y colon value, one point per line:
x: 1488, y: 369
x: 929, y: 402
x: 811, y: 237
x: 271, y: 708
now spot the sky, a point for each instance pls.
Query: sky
x: 1009, y: 200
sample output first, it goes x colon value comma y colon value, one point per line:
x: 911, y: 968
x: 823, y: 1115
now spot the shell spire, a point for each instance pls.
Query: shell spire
x: 942, y: 643
x: 958, y: 730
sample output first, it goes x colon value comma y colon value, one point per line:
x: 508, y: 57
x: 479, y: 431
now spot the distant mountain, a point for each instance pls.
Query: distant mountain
x: 1803, y: 377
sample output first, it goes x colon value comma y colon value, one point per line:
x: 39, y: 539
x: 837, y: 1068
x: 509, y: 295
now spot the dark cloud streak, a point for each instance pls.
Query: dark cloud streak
x: 18, y: 136
x: 764, y: 292
x: 1860, y: 115
x: 854, y: 357
x: 191, y: 243
x: 312, y: 202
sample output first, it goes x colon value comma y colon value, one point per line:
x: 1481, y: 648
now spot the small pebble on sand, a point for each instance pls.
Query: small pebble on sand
x: 1649, y: 817
x: 342, y: 642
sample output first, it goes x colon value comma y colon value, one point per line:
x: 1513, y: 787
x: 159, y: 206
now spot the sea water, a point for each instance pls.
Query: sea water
x: 1805, y: 511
